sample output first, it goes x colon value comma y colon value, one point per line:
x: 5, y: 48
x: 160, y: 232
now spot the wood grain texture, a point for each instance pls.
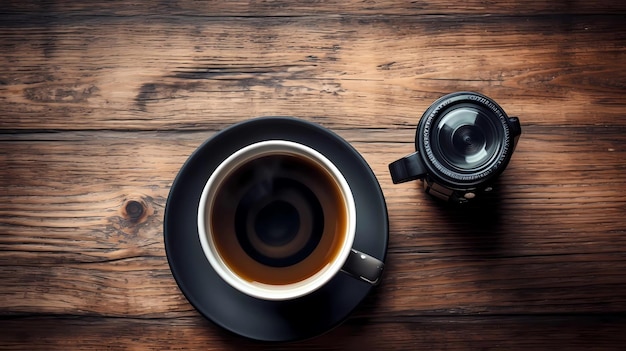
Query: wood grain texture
x: 465, y: 333
x: 343, y: 71
x: 282, y: 8
x: 102, y: 103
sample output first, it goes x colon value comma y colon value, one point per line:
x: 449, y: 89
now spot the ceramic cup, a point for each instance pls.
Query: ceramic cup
x: 277, y: 221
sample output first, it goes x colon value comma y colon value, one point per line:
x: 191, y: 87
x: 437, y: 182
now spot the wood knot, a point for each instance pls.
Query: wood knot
x: 135, y: 211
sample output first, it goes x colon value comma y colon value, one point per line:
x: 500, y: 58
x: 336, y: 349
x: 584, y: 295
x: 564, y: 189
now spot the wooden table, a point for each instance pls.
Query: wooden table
x: 102, y: 103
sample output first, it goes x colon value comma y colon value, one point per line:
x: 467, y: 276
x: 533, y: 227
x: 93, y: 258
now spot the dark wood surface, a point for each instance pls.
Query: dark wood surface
x: 101, y: 104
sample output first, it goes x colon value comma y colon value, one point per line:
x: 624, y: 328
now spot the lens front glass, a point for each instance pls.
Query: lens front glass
x: 466, y: 139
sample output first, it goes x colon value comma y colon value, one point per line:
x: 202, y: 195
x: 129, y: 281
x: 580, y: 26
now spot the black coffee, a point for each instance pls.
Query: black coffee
x: 279, y: 219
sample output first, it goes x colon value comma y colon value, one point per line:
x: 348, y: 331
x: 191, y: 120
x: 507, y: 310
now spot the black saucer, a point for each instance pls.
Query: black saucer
x: 301, y: 318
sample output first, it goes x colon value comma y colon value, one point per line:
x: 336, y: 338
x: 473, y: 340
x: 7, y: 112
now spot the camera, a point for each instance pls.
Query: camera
x: 464, y: 141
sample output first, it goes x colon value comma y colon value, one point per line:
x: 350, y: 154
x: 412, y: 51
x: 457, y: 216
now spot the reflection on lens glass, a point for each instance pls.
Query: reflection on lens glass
x: 466, y: 139
x: 469, y: 141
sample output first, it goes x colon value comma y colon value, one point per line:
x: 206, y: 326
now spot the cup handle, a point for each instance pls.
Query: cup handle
x: 364, y: 267
x: 409, y: 167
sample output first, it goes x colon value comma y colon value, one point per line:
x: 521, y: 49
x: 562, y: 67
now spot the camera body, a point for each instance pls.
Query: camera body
x: 463, y: 141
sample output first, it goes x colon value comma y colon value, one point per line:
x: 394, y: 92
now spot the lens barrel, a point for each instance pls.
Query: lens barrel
x: 463, y: 141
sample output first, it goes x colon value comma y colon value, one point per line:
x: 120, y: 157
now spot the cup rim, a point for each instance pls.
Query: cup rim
x: 261, y: 290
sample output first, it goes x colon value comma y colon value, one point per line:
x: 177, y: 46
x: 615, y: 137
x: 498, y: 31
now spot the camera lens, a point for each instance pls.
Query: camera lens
x: 463, y: 141
x: 466, y: 140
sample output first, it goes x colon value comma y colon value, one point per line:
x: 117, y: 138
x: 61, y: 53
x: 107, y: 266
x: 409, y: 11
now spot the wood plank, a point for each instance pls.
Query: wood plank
x: 602, y: 332
x: 341, y: 71
x: 72, y: 243
x: 307, y: 8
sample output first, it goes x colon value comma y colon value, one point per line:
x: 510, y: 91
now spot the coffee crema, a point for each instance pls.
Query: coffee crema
x: 278, y: 219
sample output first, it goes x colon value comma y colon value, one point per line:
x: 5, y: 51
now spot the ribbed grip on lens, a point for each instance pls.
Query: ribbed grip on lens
x: 408, y: 168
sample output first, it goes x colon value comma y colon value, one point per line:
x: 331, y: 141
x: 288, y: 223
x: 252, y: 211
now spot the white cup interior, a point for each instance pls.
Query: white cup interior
x: 257, y: 289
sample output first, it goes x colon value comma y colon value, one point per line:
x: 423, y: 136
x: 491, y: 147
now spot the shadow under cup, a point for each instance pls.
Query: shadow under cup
x: 277, y: 220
